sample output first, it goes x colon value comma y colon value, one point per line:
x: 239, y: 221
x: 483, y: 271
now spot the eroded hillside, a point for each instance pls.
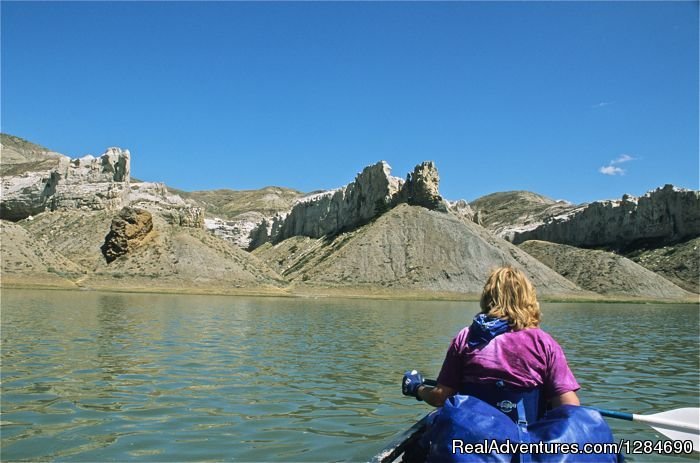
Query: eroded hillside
x: 603, y: 272
x: 378, y: 233
x: 408, y: 247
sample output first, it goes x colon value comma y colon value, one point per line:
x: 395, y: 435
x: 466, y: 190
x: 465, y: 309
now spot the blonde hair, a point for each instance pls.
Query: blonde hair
x: 510, y: 296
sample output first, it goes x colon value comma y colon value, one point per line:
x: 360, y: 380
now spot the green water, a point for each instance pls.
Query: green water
x: 99, y: 376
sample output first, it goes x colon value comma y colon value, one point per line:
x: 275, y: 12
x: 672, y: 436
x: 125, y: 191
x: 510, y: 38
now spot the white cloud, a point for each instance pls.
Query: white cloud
x: 611, y: 170
x: 622, y: 158
x: 603, y: 104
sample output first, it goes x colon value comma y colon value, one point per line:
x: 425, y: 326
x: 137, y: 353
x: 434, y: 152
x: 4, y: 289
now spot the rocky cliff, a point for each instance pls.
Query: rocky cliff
x: 410, y: 248
x: 35, y: 180
x: 238, y: 230
x: 155, y: 197
x: 327, y: 213
x: 421, y: 188
x: 510, y: 212
x: 373, y: 192
x: 86, y: 183
x: 664, y: 215
x: 378, y: 233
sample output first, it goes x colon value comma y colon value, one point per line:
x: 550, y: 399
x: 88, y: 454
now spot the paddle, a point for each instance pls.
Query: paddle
x: 679, y: 424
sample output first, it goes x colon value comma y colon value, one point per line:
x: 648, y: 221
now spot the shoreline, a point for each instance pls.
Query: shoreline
x: 316, y: 292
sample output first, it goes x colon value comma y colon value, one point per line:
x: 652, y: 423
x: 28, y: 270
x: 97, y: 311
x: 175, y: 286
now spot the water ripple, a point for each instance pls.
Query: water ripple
x: 105, y: 377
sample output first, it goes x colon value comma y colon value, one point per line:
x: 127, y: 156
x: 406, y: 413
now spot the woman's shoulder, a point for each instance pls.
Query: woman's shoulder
x: 539, y: 336
x: 460, y: 339
x: 463, y: 333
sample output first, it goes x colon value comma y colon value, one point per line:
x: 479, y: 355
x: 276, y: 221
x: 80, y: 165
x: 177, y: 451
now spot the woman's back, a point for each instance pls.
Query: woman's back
x: 521, y: 359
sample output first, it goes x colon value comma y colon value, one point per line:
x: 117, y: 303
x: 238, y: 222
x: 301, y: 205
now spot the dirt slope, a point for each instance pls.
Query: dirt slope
x: 603, y: 272
x: 172, y: 256
x: 24, y: 259
x: 408, y: 247
x: 679, y: 263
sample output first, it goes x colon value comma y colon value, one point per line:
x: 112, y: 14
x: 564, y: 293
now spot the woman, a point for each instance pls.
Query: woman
x: 498, y: 378
x: 503, y: 352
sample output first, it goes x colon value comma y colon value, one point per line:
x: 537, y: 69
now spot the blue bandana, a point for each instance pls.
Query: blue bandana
x: 484, y: 329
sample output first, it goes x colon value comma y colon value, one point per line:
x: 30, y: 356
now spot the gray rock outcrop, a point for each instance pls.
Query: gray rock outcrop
x: 112, y: 166
x: 87, y: 183
x: 155, y: 197
x: 421, y: 188
x: 128, y: 231
x: 666, y: 214
x: 54, y: 182
x: 27, y: 194
x: 461, y: 210
x: 237, y: 230
x: 510, y: 212
x: 373, y: 192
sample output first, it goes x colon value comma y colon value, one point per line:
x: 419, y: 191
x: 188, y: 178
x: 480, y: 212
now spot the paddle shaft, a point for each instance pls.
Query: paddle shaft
x: 651, y: 420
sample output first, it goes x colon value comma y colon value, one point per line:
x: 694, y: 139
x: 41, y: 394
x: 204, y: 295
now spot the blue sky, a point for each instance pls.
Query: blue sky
x: 573, y: 100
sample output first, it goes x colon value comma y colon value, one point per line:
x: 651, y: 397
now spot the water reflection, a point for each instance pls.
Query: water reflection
x: 97, y: 376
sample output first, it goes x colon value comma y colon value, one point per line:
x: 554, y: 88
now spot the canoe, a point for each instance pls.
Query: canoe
x: 400, y: 447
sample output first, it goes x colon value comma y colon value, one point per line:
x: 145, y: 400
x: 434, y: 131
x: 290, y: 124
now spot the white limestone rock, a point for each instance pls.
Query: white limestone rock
x: 154, y: 192
x: 371, y: 193
x: 155, y: 197
x: 27, y: 194
x: 666, y: 214
x: 422, y: 188
x: 237, y: 230
x: 110, y: 196
x: 112, y: 166
x: 87, y: 183
x: 461, y: 210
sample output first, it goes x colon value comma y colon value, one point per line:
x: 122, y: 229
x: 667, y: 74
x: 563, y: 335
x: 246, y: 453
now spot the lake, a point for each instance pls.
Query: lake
x: 90, y: 376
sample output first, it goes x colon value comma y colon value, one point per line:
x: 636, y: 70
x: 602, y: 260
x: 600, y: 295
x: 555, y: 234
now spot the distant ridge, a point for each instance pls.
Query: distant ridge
x: 377, y: 235
x: 408, y: 247
x: 18, y: 156
x: 17, y: 150
x: 227, y: 204
x: 507, y: 212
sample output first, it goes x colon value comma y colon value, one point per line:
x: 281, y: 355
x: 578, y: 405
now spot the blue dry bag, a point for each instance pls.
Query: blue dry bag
x: 466, y: 420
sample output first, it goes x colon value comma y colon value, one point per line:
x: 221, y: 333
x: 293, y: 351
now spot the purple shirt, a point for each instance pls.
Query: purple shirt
x: 526, y: 358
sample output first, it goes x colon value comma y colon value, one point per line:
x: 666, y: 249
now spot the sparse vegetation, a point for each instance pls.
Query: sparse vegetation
x: 227, y: 204
x: 406, y: 251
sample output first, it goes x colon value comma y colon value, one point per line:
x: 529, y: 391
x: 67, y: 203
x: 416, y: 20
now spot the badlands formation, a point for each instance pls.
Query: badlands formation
x: 86, y: 223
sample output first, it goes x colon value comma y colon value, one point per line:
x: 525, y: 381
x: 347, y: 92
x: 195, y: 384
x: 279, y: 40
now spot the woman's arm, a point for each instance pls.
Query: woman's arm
x: 567, y: 398
x: 435, y: 396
